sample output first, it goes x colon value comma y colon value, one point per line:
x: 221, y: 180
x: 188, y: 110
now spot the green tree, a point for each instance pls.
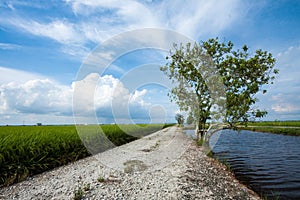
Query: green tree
x: 180, y: 119
x: 189, y: 120
x: 243, y: 75
x: 190, y: 69
x: 197, y: 68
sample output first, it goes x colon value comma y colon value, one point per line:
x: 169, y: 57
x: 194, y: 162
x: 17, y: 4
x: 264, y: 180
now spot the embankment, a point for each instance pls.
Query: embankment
x: 163, y: 165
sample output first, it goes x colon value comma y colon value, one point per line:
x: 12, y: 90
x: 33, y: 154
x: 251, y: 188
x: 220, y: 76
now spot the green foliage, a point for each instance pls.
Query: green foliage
x: 197, y: 68
x: 227, y: 164
x: 189, y: 68
x: 179, y: 118
x: 200, y: 142
x: 190, y: 120
x: 100, y: 179
x: 211, y: 154
x: 87, y: 187
x: 243, y: 77
x: 78, y: 194
x: 29, y: 150
x: 275, y: 196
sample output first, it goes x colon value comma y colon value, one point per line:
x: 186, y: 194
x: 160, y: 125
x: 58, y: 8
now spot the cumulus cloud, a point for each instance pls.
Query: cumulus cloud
x: 40, y: 96
x: 105, y: 96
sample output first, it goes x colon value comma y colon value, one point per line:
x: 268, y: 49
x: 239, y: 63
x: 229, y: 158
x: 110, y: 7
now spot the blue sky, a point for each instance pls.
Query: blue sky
x: 43, y: 46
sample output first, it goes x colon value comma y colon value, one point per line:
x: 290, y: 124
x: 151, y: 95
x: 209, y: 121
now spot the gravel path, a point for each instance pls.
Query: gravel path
x: 163, y: 165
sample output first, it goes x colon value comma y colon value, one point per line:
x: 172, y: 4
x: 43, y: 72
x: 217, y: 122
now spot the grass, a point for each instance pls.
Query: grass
x: 78, y: 194
x: 276, y: 123
x: 276, y: 130
x: 227, y: 164
x: 30, y: 150
x: 277, y: 127
x: 275, y: 196
x: 101, y: 179
x: 200, y: 142
x: 81, y: 190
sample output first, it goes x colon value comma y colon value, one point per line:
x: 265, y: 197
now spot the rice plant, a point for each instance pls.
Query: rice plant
x: 29, y: 150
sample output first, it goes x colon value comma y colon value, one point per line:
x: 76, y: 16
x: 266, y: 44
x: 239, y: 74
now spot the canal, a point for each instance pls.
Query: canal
x: 268, y: 163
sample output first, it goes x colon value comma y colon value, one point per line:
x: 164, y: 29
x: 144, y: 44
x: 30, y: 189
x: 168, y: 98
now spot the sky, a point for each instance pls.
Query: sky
x: 64, y: 62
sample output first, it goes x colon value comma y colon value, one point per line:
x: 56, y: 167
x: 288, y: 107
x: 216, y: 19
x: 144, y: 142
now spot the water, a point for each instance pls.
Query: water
x: 268, y: 163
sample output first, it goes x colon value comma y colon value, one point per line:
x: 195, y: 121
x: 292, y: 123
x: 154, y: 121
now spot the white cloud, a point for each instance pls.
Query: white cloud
x: 127, y: 11
x: 284, y: 97
x: 76, y: 51
x: 104, y: 96
x: 36, y: 96
x: 285, y: 107
x: 61, y: 31
x: 136, y: 96
x: 197, y: 18
x: 189, y: 17
x: 18, y: 76
x: 8, y: 46
x: 97, y: 21
x: 288, y: 63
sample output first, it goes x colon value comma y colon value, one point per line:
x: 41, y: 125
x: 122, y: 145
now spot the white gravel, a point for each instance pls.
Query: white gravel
x: 163, y: 165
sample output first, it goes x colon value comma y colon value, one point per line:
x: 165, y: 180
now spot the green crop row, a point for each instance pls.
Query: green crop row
x: 274, y: 129
x: 29, y: 150
x: 275, y: 123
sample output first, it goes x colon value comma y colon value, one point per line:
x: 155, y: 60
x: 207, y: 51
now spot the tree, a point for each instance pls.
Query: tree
x: 189, y: 120
x: 190, y: 70
x: 243, y: 77
x: 179, y: 118
x: 197, y: 69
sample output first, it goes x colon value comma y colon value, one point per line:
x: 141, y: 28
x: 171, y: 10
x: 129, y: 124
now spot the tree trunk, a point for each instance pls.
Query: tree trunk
x: 197, y: 131
x: 202, y: 131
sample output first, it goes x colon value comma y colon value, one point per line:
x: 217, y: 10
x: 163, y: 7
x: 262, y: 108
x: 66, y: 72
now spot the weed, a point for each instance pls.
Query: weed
x: 228, y: 167
x: 155, y: 146
x: 210, y: 154
x: 87, y: 187
x: 226, y: 163
x: 200, y: 142
x: 101, y: 179
x: 78, y: 194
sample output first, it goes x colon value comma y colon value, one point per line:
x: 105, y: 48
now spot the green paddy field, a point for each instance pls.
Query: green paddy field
x: 30, y: 150
x: 277, y: 127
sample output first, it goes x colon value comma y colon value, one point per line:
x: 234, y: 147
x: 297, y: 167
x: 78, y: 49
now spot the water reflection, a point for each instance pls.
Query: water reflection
x: 268, y: 163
